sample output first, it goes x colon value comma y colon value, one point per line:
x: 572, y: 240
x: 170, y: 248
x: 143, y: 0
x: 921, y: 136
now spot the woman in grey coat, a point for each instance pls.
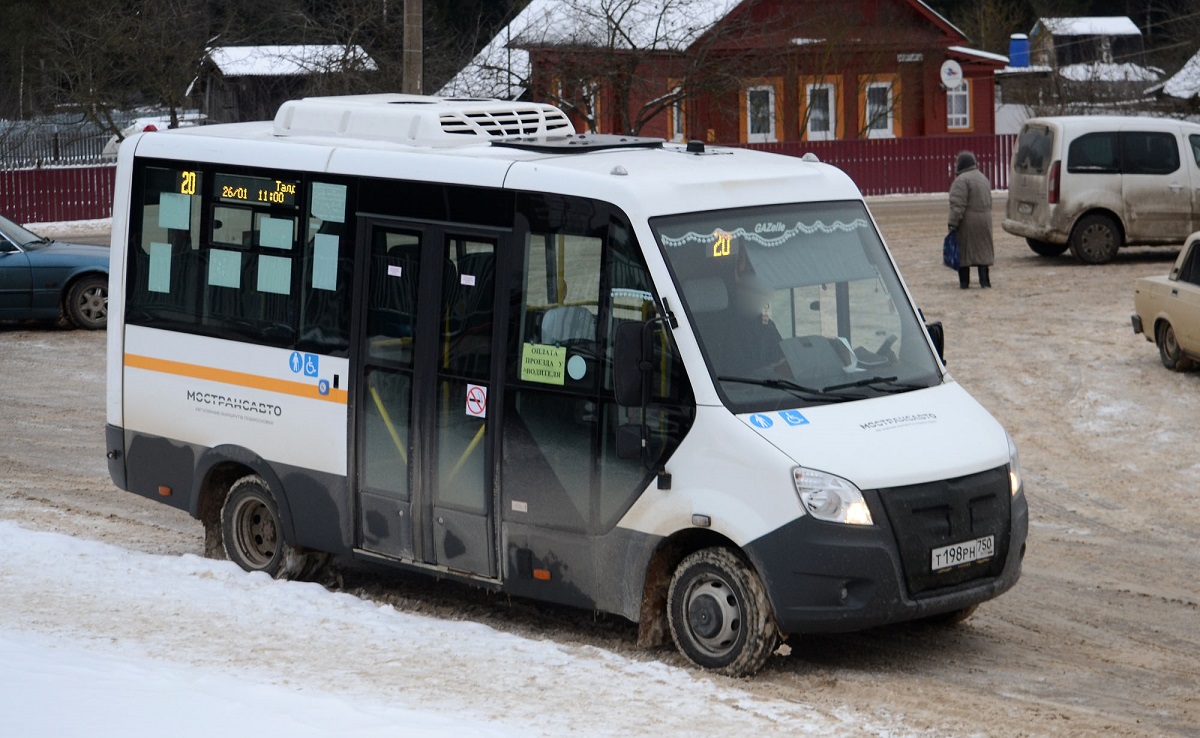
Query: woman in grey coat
x: 971, y: 216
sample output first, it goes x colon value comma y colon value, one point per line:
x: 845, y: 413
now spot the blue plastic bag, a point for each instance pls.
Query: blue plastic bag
x: 950, y: 250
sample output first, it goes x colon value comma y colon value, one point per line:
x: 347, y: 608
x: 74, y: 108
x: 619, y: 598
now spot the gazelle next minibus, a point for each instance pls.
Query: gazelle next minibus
x: 683, y: 384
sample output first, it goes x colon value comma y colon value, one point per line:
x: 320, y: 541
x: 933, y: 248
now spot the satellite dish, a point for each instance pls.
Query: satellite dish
x: 952, y: 74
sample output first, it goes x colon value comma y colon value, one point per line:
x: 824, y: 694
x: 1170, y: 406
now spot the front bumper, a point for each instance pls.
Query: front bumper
x: 827, y: 578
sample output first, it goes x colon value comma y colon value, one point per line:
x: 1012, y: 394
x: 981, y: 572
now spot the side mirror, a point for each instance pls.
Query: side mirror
x: 938, y: 335
x: 628, y: 355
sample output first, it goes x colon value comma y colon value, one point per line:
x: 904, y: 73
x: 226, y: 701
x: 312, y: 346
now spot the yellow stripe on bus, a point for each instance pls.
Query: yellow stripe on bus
x: 241, y: 379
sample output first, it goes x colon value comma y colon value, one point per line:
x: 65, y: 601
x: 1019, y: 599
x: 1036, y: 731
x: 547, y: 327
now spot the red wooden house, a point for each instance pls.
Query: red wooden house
x: 743, y: 71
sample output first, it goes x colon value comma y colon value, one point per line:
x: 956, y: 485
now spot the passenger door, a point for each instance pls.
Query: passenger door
x: 1156, y: 185
x: 1185, y: 290
x: 16, y: 280
x: 424, y: 443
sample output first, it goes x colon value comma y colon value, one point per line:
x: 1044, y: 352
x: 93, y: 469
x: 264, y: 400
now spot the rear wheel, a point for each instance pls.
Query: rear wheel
x: 1096, y: 239
x: 252, y: 533
x: 1045, y: 248
x: 719, y: 613
x: 1169, y: 350
x: 87, y: 303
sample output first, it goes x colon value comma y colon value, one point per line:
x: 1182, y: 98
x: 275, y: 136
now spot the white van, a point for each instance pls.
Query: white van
x: 682, y: 384
x: 1096, y: 183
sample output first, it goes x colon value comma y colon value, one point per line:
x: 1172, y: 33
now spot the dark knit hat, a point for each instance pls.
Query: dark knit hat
x: 966, y: 160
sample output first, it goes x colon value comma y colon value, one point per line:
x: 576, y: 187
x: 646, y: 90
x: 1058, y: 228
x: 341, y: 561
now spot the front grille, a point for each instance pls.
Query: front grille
x: 935, y: 514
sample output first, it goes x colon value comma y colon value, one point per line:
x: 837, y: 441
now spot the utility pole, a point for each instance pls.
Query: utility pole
x: 414, y: 43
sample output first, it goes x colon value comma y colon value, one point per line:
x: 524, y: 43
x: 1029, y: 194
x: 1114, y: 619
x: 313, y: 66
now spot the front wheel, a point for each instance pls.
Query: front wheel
x: 1095, y: 239
x: 252, y: 533
x: 719, y: 614
x: 87, y: 303
x: 1169, y: 350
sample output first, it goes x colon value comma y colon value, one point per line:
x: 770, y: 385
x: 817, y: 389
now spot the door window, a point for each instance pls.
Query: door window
x: 1149, y: 152
x: 581, y: 274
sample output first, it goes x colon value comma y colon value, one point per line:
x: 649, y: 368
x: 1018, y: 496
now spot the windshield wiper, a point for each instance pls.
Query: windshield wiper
x: 874, y: 382
x: 787, y: 385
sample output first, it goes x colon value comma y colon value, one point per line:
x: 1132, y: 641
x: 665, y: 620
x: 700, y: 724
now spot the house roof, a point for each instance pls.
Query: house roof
x: 501, y: 68
x: 1184, y: 84
x: 976, y: 54
x: 1089, y: 26
x: 1110, y: 72
x: 288, y: 61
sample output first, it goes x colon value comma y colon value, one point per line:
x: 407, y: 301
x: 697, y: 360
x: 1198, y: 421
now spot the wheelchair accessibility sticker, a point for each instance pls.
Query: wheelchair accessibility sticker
x: 790, y: 417
x: 307, y: 363
x: 793, y: 417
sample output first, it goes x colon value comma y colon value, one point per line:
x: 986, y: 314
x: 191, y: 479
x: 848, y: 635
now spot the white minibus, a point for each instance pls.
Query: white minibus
x: 683, y: 384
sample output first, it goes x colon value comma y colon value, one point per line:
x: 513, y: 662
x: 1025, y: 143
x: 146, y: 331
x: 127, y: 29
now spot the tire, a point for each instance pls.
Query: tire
x: 86, y: 304
x: 719, y: 614
x: 1168, y: 348
x: 252, y: 532
x: 1095, y: 239
x: 1045, y: 248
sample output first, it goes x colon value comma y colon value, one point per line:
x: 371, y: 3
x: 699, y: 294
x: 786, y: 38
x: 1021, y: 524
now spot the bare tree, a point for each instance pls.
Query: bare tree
x: 618, y: 64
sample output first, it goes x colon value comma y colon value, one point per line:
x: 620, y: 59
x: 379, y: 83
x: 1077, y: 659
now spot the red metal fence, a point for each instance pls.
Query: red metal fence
x: 56, y: 194
x: 877, y: 166
x: 889, y: 166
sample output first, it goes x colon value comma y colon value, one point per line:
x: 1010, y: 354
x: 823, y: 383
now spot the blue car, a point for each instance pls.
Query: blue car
x: 41, y: 278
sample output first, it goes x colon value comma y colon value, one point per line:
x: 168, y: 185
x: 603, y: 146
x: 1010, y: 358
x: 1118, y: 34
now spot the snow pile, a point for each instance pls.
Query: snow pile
x: 100, y: 641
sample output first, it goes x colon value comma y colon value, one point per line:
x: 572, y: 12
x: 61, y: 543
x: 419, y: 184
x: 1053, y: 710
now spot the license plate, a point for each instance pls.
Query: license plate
x: 1025, y: 208
x: 966, y: 552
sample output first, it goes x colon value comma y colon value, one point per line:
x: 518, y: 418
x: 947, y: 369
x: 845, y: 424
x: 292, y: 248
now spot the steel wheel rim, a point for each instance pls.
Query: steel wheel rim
x: 1095, y: 241
x: 714, y: 615
x: 255, y: 533
x: 1169, y: 343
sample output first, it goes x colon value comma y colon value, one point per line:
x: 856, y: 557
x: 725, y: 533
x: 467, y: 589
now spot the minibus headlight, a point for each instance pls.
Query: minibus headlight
x: 827, y: 497
x: 1014, y: 467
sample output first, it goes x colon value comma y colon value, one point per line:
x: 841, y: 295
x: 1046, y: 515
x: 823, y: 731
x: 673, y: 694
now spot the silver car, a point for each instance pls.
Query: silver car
x: 1096, y: 183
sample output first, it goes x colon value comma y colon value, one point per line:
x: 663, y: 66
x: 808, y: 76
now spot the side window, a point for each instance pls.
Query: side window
x: 582, y: 273
x: 165, y: 260
x: 879, y: 106
x: 958, y: 107
x: 1094, y: 153
x: 326, y: 271
x: 1149, y: 152
x: 1194, y: 142
x: 820, y: 114
x: 1190, y: 271
x: 249, y: 280
x: 216, y: 254
x: 759, y: 107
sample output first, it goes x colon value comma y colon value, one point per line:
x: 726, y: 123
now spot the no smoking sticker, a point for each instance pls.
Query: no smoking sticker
x: 476, y: 401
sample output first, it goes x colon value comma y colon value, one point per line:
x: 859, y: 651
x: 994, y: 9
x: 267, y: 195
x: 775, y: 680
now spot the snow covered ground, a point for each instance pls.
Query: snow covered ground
x: 99, y: 641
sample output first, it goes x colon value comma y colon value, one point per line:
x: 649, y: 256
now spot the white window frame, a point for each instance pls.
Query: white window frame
x: 678, y: 130
x: 770, y: 134
x: 958, y: 121
x: 888, y: 130
x: 830, y: 94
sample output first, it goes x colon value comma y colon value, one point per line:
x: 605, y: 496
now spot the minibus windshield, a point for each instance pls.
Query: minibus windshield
x: 796, y: 305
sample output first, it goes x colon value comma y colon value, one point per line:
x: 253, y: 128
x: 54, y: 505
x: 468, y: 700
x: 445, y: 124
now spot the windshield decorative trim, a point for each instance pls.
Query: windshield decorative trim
x: 785, y: 233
